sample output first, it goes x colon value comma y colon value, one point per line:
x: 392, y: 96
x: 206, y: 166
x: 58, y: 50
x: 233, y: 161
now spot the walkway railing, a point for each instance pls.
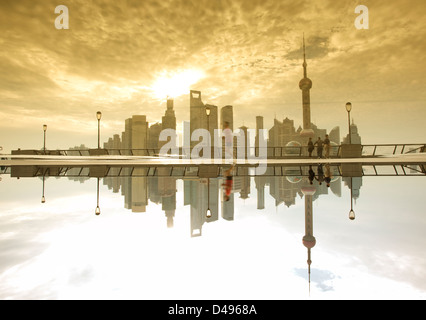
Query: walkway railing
x: 276, y: 152
x: 368, y: 150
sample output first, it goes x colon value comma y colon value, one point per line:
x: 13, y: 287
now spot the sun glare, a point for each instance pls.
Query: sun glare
x: 175, y: 84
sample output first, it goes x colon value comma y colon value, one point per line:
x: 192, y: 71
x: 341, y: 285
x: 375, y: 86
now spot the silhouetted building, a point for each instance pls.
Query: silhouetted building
x: 199, y: 118
x: 139, y: 190
x: 168, y: 122
x: 284, y: 189
x: 282, y: 133
x: 227, y: 115
x: 260, y: 182
x: 169, y: 118
x: 259, y: 126
x: 354, y: 183
x: 355, y: 137
x: 139, y: 134
x: 228, y: 207
x: 113, y: 144
x: 153, y: 136
x: 135, y: 135
x: 201, y: 194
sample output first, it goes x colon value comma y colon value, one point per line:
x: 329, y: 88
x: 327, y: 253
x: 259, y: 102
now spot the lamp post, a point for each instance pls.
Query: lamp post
x: 208, y: 111
x: 99, y: 116
x: 348, y: 109
x: 351, y: 213
x: 209, y: 212
x: 98, y: 210
x: 44, y: 138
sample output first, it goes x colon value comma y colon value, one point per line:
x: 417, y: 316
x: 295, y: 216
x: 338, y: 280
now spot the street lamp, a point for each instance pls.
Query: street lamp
x: 348, y: 109
x: 44, y: 139
x: 99, y: 116
x: 208, y: 111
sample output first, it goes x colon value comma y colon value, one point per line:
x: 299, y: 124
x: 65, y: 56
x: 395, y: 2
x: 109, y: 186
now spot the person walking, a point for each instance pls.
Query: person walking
x: 327, y: 146
x: 310, y: 147
x: 319, y: 144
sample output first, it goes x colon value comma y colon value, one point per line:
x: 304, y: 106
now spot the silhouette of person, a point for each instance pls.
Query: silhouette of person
x: 320, y: 174
x: 311, y: 147
x: 311, y: 175
x: 228, y: 183
x: 319, y: 144
x: 327, y: 146
x: 327, y: 178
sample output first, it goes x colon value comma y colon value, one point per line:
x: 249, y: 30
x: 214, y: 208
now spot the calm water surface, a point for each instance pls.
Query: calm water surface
x: 152, y: 239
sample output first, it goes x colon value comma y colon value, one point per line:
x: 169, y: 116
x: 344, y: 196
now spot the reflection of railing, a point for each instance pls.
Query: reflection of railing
x: 193, y: 171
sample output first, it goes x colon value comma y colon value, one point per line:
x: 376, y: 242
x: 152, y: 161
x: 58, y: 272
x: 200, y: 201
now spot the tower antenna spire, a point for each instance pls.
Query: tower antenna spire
x: 305, y: 73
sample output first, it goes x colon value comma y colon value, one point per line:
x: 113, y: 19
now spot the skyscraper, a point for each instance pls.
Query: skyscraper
x: 227, y: 115
x: 136, y: 134
x: 168, y: 122
x: 199, y: 118
x: 355, y: 137
x: 305, y: 85
x: 169, y: 118
x: 259, y: 126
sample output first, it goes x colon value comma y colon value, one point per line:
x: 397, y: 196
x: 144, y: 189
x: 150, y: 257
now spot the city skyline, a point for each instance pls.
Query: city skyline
x: 123, y: 59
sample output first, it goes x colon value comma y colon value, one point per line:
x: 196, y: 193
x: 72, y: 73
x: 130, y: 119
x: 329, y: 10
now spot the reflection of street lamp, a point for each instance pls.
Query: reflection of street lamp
x: 348, y: 109
x: 351, y: 213
x: 44, y: 139
x: 99, y: 116
x: 98, y: 210
x: 43, y: 199
x: 209, y: 212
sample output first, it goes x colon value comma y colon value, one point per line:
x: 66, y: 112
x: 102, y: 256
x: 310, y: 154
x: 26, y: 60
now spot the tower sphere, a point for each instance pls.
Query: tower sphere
x: 309, y: 241
x: 305, y: 84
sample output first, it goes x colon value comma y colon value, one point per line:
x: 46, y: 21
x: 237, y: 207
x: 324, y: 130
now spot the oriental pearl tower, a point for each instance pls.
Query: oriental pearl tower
x: 305, y: 85
x: 309, y: 240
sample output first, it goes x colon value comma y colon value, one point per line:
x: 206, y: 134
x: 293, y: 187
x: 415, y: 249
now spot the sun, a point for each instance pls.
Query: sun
x: 175, y: 84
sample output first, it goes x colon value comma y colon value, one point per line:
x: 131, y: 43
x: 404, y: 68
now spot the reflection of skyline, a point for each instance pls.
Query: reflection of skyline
x: 201, y: 194
x: 327, y: 214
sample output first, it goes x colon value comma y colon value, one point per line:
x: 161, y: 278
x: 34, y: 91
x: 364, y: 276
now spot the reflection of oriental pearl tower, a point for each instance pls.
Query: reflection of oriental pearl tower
x: 305, y: 85
x: 309, y: 240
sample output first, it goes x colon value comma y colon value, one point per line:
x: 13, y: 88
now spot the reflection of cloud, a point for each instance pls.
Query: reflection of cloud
x: 322, y: 278
x: 81, y: 276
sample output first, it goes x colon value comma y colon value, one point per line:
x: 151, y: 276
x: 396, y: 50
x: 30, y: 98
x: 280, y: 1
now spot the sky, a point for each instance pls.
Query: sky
x: 125, y: 58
